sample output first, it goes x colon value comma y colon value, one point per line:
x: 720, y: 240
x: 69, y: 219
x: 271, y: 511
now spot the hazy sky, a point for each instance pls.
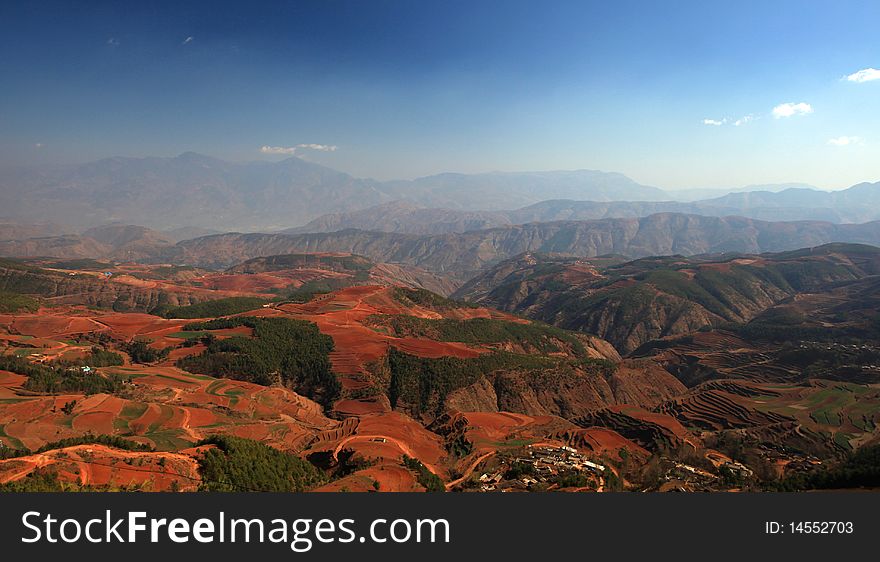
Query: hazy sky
x: 673, y: 94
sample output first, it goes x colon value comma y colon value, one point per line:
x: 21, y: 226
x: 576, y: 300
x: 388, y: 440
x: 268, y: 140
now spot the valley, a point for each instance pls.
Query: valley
x: 542, y: 372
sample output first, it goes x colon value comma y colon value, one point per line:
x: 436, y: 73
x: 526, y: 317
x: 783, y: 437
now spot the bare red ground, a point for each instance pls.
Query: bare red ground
x: 390, y: 478
x: 360, y: 407
x: 33, y: 422
x: 100, y: 466
x: 495, y: 426
x: 10, y: 380
x: 607, y: 442
x: 129, y: 325
x: 256, y: 284
x: 45, y: 325
x: 434, y: 349
x: 262, y: 283
x: 200, y: 417
x: 181, y: 352
x: 387, y: 437
x: 99, y: 423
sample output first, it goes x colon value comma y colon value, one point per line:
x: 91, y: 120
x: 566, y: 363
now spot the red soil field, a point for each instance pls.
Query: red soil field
x: 255, y: 284
x: 258, y: 284
x: 99, y: 423
x: 100, y: 466
x: 129, y: 325
x: 171, y: 408
x: 145, y: 420
x: 435, y: 349
x: 9, y: 381
x: 198, y: 417
x: 495, y: 426
x: 360, y: 407
x: 46, y: 325
x: 181, y: 352
x: 602, y: 441
x: 341, y: 316
x: 390, y: 478
x: 33, y: 422
x: 402, y: 433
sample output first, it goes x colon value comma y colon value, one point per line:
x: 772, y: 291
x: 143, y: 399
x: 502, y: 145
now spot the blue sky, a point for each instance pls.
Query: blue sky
x: 403, y: 89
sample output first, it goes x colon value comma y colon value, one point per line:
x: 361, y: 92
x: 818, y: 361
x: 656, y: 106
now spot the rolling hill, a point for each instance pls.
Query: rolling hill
x: 635, y: 302
x: 463, y: 255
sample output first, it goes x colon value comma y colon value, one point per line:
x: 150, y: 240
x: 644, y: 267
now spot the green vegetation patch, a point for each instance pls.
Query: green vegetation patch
x: 310, y: 289
x: 425, y: 477
x: 86, y: 264
x: 141, y: 352
x: 427, y: 299
x: 130, y: 412
x: 860, y: 469
x: 40, y: 480
x: 423, y: 383
x: 236, y: 464
x: 213, y: 308
x: 60, y: 379
x: 97, y: 357
x: 168, y: 439
x: 540, y: 337
x: 281, y: 350
x: 87, y: 439
x: 14, y: 302
x: 15, y: 443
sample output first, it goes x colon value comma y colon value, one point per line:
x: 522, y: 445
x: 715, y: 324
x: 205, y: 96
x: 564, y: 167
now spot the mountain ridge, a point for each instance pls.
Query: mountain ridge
x: 857, y: 204
x: 195, y: 190
x: 635, y: 302
x: 463, y: 255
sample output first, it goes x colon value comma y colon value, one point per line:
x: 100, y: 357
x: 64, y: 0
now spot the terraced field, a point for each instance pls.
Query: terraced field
x: 416, y: 387
x: 847, y: 411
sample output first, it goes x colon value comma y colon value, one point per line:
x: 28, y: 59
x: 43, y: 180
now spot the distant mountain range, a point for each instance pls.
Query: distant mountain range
x: 192, y: 192
x: 698, y: 194
x: 860, y: 203
x: 458, y: 256
x: 463, y: 255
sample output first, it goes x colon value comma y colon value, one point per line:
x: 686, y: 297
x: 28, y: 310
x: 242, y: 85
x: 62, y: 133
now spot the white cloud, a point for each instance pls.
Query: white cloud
x: 113, y: 42
x: 277, y: 149
x: 844, y: 141
x: 188, y: 40
x: 321, y: 147
x: 864, y: 75
x: 291, y: 150
x: 789, y: 109
x: 736, y: 122
x: 39, y: 145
